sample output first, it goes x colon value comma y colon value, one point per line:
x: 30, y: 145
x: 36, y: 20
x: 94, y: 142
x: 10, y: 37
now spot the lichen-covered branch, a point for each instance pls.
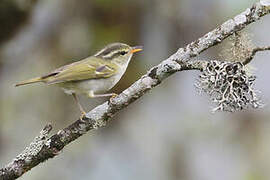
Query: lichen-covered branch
x: 99, y: 116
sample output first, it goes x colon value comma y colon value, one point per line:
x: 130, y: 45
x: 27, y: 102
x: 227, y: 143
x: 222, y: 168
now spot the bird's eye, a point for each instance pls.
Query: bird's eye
x: 123, y: 53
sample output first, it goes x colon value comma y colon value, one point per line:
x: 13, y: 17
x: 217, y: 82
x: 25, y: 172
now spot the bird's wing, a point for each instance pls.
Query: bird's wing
x: 88, y: 68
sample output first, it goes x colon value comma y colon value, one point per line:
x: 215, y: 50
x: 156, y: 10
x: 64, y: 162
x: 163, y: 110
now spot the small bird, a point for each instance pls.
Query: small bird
x: 92, y: 76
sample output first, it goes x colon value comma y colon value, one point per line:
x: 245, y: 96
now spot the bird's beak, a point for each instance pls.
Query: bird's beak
x: 136, y: 49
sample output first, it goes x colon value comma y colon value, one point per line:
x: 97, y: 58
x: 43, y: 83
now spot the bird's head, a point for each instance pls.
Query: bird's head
x: 119, y: 53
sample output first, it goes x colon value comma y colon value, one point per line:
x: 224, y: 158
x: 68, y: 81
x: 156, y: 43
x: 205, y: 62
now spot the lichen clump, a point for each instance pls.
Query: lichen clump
x: 229, y: 86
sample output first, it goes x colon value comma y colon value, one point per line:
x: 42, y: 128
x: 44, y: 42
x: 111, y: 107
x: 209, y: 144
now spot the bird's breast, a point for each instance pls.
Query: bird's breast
x: 95, y: 85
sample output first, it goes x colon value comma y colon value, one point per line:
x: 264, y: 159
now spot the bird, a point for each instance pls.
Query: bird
x: 92, y: 76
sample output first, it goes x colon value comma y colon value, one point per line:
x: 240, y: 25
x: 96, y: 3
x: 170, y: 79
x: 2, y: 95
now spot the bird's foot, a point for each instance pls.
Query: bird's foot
x: 83, y: 115
x: 113, y: 96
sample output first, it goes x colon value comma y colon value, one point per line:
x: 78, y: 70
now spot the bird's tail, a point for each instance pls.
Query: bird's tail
x: 29, y: 81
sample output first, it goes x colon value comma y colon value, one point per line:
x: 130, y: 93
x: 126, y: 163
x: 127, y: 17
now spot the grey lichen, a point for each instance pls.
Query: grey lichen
x: 227, y: 26
x: 240, y: 19
x: 166, y: 68
x: 229, y: 86
x: 34, y: 148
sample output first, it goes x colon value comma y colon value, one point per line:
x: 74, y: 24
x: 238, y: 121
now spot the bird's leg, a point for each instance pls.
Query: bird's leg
x: 83, y: 113
x: 91, y: 94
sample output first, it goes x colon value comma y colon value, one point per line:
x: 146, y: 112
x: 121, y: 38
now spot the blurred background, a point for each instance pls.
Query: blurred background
x: 170, y: 133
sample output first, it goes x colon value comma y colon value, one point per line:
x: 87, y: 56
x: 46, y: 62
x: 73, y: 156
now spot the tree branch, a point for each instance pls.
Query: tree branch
x: 253, y: 52
x: 44, y: 148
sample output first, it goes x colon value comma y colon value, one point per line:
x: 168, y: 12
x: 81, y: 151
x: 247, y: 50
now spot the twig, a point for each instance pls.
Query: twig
x: 253, y: 52
x: 99, y: 116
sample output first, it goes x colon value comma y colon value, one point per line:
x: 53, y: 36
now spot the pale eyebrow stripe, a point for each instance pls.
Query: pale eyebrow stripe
x: 111, y: 54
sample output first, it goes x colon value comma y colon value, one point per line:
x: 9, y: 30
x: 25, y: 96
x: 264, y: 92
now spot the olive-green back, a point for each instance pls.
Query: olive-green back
x: 89, y: 68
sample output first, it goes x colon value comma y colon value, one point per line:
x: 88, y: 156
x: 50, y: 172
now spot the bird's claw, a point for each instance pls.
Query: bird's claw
x: 114, y: 95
